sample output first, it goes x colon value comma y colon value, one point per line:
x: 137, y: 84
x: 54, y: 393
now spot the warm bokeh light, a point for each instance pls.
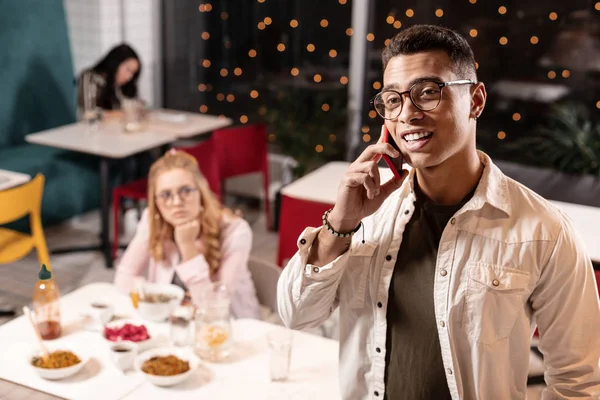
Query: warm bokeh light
x: 332, y: 138
x: 325, y: 107
x: 597, y: 6
x: 319, y: 148
x: 203, y: 109
x: 268, y: 21
x: 324, y: 23
x: 366, y: 138
x: 502, y: 10
x: 295, y: 71
x: 230, y: 98
x: 349, y: 31
x: 390, y: 20
x: 410, y: 13
x: 237, y: 71
x: 272, y: 137
x: 220, y: 97
x: 566, y: 73
x: 397, y: 24
x: 208, y: 7
x: 205, y: 35
x: 206, y: 63
x: 201, y: 87
x: 262, y: 110
x: 376, y: 85
x: 252, y: 53
x: 310, y: 47
x: 472, y: 1
x: 224, y: 15
x: 372, y: 114
x: 261, y: 1
x: 294, y: 23
x: 503, y: 40
x: 370, y: 37
x: 261, y: 25
x: 342, y: 2
x: 553, y: 16
x: 501, y: 135
x: 365, y: 129
x: 476, y: 65
x: 281, y: 47
x: 317, y: 78
x: 224, y: 72
x: 598, y: 104
x: 243, y: 119
x: 551, y: 75
x: 439, y: 13
x: 387, y: 42
x: 516, y: 117
x: 534, y: 40
x: 332, y: 53
x: 344, y: 80
x: 473, y: 33
x: 254, y: 94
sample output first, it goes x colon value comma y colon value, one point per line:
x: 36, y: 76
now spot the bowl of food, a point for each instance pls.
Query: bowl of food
x: 128, y: 330
x: 157, y: 301
x: 166, y: 366
x: 59, y: 364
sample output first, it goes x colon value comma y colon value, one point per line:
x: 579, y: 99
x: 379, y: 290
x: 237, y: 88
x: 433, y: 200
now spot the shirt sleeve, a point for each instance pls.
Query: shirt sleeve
x: 567, y: 310
x: 136, y: 257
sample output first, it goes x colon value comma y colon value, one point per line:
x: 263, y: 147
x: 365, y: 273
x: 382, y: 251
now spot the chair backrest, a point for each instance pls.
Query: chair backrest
x: 206, y: 156
x: 265, y: 277
x: 241, y: 150
x: 22, y: 200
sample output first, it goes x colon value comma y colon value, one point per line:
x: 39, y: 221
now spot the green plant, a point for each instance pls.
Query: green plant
x: 568, y: 142
x: 308, y: 125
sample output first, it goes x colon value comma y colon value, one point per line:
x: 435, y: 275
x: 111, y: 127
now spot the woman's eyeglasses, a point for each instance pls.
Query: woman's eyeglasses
x: 184, y: 193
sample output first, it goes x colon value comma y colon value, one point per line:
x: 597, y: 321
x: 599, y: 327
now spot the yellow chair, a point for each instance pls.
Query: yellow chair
x: 15, y: 203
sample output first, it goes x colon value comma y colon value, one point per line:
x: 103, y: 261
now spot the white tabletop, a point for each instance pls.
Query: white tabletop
x: 313, y: 374
x: 9, y: 179
x: 186, y: 124
x: 322, y: 184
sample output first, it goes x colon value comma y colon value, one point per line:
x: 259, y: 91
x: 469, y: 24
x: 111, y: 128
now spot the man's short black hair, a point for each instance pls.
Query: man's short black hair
x: 420, y: 38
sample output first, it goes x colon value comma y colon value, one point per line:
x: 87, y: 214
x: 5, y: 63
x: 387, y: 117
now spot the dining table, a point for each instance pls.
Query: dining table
x: 245, y: 374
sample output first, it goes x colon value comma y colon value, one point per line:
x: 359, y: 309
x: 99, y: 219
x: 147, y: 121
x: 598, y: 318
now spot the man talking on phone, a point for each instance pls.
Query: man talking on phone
x: 459, y: 263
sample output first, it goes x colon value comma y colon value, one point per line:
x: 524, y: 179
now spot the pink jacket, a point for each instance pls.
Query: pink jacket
x: 236, y: 242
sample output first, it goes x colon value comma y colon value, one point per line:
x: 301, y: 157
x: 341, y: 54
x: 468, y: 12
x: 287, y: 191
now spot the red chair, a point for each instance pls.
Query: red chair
x: 204, y: 153
x: 242, y: 150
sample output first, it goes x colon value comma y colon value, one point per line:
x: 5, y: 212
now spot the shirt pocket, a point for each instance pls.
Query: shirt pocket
x: 493, y: 299
x: 356, y: 274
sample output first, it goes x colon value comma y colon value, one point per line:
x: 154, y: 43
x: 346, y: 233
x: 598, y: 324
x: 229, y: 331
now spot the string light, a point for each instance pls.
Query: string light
x: 397, y: 24
x: 390, y: 19
x: 205, y: 35
x: 503, y: 40
x: 501, y: 10
x: 206, y: 63
x: 324, y: 23
x: 201, y: 87
x: 387, y: 42
x: 366, y: 138
x: 254, y: 94
x: 203, y: 109
x: 237, y: 71
x: 439, y: 13
x: 372, y: 114
x: 261, y: 25
x: 476, y: 65
x: 224, y: 15
x: 376, y: 85
x: 202, y: 8
x: 261, y: 1
x: 344, y: 80
x: 319, y: 148
x: 566, y: 73
x: 294, y: 23
x: 349, y: 31
x: 332, y: 138
x: 332, y: 53
x: 281, y: 47
x: 262, y: 110
x: 325, y: 107
x: 224, y: 72
x: 365, y: 129
x: 473, y: 33
x: 472, y: 1
x: 230, y: 98
x: 598, y: 102
x: 370, y: 37
x: 553, y: 16
x: 220, y: 97
x: 252, y: 53
x: 272, y: 137
x: 243, y: 119
x: 410, y: 13
x: 208, y: 7
x: 268, y: 21
x: 501, y: 135
x: 551, y: 75
x: 597, y: 7
x: 310, y: 47
x: 516, y: 117
x: 295, y: 71
x: 317, y: 78
x: 342, y: 2
x: 534, y: 40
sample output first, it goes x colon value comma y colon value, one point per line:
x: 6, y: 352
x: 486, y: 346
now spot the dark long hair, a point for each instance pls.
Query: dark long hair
x: 108, y: 67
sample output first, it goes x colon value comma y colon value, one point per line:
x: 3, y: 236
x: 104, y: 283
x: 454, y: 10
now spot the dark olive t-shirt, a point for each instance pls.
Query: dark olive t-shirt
x: 414, y: 367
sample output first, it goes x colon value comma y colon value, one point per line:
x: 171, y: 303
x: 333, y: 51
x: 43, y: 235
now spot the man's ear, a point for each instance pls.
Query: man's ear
x: 478, y: 97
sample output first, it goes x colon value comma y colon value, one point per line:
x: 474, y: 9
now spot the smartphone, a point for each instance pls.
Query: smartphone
x: 395, y: 164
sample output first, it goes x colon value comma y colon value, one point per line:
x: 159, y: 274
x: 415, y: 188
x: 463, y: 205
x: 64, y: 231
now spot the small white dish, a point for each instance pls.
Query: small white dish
x: 99, y: 314
x: 141, y: 345
x: 181, y: 353
x: 123, y: 354
x: 59, y: 373
x: 159, y: 311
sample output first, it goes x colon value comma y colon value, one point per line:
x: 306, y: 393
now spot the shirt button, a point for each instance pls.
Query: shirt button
x: 388, y: 257
x: 443, y: 272
x: 449, y: 371
x: 376, y: 393
x: 442, y: 324
x: 495, y: 282
x: 453, y: 221
x: 406, y: 212
x: 378, y: 350
x: 379, y: 304
x: 316, y: 269
x: 302, y: 241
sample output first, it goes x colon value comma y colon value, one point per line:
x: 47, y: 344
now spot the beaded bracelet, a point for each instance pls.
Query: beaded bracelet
x: 336, y: 233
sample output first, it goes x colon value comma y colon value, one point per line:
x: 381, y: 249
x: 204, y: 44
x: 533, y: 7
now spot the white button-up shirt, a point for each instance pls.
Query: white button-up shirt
x: 507, y: 260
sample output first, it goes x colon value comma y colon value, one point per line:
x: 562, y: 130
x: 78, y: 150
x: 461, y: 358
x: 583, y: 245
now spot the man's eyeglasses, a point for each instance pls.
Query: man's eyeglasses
x: 425, y: 96
x: 184, y: 193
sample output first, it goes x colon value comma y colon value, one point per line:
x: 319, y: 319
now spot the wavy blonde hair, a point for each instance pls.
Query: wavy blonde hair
x: 161, y: 231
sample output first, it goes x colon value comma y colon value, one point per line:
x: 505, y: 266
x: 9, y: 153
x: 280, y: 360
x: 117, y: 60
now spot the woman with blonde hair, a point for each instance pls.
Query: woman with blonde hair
x: 188, y: 238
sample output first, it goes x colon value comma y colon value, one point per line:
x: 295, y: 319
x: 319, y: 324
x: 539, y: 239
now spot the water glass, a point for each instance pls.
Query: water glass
x: 180, y: 325
x: 280, y: 346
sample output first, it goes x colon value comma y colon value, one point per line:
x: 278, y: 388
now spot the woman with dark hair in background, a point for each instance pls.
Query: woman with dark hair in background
x: 110, y: 80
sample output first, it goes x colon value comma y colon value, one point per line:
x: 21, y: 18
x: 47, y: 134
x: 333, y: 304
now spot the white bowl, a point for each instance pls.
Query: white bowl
x: 59, y: 373
x: 159, y: 312
x: 142, y: 345
x: 180, y: 353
